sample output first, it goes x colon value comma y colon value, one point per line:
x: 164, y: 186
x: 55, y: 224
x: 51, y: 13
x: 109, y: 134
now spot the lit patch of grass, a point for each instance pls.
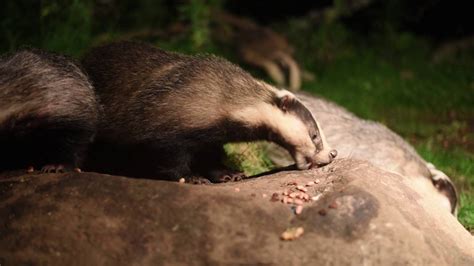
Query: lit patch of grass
x: 466, y: 213
x: 250, y: 158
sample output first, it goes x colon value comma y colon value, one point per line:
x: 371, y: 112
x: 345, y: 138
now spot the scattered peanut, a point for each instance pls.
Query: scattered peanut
x: 292, y: 233
x: 301, y: 188
x: 30, y: 169
x: 182, y: 180
x: 315, y: 198
x: 299, y: 209
x: 275, y: 197
x: 298, y: 202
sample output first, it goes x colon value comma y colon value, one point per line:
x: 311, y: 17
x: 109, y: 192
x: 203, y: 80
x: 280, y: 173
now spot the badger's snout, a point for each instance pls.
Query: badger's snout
x: 323, y: 158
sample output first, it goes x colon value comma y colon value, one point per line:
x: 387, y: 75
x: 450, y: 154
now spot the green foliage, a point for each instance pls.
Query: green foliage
x: 466, y: 213
x: 198, y: 13
x: 19, y: 22
x: 324, y: 42
x: 63, y: 26
x: 58, y: 18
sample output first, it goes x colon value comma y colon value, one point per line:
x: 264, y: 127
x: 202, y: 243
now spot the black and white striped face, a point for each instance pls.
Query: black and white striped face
x: 291, y: 125
x: 301, y: 134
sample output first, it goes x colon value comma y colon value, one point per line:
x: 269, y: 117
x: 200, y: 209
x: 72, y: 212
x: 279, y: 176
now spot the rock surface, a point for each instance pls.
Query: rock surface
x: 365, y: 215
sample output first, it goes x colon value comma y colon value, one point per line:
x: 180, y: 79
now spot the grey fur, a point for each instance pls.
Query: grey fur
x: 367, y: 140
x: 48, y: 110
x: 173, y: 107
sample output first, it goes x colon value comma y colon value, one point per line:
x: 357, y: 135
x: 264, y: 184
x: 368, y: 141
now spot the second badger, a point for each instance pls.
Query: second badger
x: 167, y: 115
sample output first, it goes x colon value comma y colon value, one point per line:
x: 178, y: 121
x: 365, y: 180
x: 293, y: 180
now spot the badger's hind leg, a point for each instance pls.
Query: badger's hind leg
x: 53, y: 145
x: 176, y: 164
x: 208, y: 162
x: 64, y: 146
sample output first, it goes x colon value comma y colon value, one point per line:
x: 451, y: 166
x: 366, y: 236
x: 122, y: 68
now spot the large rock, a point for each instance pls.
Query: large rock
x: 365, y: 216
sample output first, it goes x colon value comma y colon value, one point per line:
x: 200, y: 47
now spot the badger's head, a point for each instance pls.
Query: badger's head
x: 294, y: 127
x: 281, y: 118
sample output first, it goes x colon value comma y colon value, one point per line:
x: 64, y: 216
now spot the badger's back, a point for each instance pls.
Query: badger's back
x: 34, y: 83
x: 148, y: 93
x: 45, y: 99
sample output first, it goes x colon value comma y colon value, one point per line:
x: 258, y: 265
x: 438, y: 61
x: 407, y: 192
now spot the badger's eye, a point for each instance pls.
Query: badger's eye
x: 314, y: 137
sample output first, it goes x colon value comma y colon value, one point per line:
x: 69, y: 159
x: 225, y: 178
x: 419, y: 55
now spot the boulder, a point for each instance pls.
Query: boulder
x: 361, y: 214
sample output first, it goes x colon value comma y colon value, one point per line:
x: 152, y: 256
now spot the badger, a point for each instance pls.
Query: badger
x: 48, y: 111
x: 167, y: 115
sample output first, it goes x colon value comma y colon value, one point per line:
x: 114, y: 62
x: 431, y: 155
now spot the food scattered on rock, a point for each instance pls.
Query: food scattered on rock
x: 182, y: 180
x: 333, y: 205
x: 275, y: 197
x: 299, y: 209
x: 301, y: 188
x: 298, y: 202
x: 77, y: 170
x: 322, y: 212
x: 317, y: 197
x: 297, y: 195
x: 237, y: 189
x: 292, y: 233
x: 264, y: 195
x: 30, y: 169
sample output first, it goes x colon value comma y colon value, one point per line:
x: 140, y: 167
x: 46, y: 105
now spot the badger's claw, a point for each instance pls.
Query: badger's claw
x: 197, y: 180
x: 53, y: 168
x: 227, y: 176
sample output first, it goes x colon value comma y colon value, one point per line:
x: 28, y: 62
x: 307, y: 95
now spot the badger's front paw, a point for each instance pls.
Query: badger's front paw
x: 222, y: 176
x: 53, y: 168
x: 58, y: 168
x: 197, y: 180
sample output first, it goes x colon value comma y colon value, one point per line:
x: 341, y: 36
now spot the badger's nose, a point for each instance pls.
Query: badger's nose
x: 333, y: 154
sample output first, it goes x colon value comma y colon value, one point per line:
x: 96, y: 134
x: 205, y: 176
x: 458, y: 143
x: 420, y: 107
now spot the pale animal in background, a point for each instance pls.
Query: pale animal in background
x: 262, y: 47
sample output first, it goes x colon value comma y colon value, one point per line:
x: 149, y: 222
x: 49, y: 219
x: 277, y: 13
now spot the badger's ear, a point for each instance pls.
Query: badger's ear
x: 284, y: 102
